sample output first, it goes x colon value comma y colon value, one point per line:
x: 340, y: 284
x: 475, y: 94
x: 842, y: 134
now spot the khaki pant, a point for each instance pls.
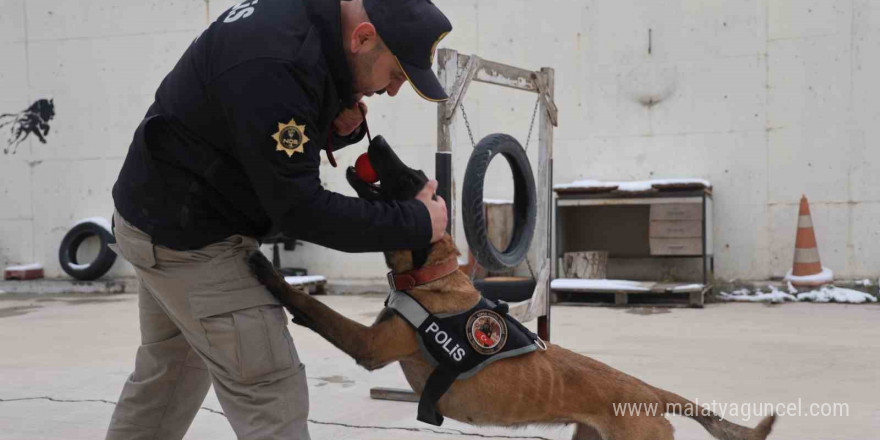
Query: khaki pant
x: 205, y: 320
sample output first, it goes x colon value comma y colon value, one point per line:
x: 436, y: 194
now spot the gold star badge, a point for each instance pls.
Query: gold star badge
x: 290, y: 138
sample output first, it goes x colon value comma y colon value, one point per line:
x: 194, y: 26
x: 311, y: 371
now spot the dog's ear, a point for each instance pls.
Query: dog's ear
x: 363, y: 189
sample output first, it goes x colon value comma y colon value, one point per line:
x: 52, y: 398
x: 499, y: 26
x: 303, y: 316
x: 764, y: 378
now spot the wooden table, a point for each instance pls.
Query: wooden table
x: 663, y: 225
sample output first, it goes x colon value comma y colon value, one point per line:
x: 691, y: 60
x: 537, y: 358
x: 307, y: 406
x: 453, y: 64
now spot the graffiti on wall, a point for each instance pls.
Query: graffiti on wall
x: 32, y: 121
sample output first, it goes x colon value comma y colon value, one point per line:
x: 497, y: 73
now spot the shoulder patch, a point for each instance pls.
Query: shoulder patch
x: 487, y: 332
x: 290, y: 138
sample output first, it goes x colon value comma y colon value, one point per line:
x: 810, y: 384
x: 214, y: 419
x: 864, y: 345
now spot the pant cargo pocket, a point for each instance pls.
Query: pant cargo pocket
x: 253, y: 343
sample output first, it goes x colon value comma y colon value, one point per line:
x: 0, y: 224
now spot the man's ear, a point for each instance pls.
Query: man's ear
x: 363, y: 37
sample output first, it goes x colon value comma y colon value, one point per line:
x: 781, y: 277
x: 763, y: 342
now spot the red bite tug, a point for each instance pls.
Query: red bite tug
x: 364, y: 169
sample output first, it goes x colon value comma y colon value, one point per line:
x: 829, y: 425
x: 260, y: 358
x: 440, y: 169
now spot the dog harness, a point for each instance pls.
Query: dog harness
x: 459, y: 345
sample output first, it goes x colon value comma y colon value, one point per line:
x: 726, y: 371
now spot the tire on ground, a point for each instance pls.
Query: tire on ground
x: 524, y: 203
x: 70, y: 244
x: 507, y: 289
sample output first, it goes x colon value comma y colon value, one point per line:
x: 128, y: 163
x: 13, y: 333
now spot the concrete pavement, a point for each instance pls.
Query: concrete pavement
x: 64, y: 360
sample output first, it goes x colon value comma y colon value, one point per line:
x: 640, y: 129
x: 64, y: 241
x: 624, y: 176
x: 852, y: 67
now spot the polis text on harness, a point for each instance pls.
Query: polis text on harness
x: 457, y: 344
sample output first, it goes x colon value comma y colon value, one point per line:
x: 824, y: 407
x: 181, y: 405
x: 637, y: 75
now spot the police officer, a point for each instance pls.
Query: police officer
x: 229, y: 152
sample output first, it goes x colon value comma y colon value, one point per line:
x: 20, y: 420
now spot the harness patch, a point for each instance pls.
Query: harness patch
x: 487, y: 332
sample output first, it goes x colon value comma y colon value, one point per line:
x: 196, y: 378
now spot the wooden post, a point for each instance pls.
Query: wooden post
x: 448, y: 61
x: 545, y: 193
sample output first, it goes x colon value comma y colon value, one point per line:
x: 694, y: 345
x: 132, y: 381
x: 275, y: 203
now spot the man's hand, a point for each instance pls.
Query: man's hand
x: 436, y: 208
x: 350, y: 119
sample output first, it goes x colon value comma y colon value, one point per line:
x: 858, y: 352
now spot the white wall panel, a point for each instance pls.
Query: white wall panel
x: 101, y: 88
x: 865, y: 232
x: 14, y: 96
x: 12, y: 28
x: 55, y: 20
x: 807, y: 18
x: 16, y: 242
x: 692, y: 30
x: 809, y: 81
x: 768, y: 99
x: 65, y: 192
x: 714, y: 96
x: 812, y: 160
x: 15, y: 189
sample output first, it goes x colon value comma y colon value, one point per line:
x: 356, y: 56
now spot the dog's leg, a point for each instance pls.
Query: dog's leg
x: 389, y: 339
x: 640, y: 428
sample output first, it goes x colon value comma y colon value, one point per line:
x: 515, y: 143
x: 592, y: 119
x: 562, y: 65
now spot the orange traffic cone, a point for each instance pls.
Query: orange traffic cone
x: 807, y: 269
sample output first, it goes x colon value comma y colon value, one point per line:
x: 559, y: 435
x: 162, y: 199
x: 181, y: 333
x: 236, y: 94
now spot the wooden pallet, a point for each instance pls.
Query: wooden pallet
x: 655, y: 294
x: 397, y: 394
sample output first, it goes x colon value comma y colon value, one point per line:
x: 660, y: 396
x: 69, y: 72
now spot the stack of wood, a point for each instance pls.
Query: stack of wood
x: 591, y: 265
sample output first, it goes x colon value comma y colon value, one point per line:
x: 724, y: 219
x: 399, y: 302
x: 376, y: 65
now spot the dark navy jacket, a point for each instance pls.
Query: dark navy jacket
x: 204, y: 164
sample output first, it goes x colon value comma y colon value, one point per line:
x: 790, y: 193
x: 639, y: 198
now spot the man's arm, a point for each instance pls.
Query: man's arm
x: 269, y: 111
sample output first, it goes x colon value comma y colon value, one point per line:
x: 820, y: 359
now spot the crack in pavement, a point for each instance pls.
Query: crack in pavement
x: 448, y: 431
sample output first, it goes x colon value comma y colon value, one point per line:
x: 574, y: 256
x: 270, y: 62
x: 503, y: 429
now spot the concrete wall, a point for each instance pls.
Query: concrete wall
x: 768, y: 99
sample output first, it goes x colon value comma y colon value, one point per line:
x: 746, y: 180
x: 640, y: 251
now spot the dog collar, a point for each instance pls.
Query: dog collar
x: 423, y: 275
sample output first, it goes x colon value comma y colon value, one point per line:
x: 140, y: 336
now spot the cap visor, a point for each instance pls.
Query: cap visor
x: 424, y: 82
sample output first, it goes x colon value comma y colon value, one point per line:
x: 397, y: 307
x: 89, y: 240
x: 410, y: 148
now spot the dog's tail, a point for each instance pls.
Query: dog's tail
x: 717, y: 426
x: 262, y: 268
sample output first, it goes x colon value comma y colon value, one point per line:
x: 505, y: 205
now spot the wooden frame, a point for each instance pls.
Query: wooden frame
x: 456, y: 73
x: 477, y: 69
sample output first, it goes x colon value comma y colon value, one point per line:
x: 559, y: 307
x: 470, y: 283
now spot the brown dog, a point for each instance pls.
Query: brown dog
x: 552, y: 386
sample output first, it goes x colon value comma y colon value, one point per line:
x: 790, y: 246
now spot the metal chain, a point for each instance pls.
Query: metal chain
x: 532, y: 125
x: 467, y: 124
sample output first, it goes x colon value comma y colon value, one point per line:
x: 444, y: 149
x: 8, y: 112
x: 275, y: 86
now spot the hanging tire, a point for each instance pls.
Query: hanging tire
x: 71, y: 243
x: 524, y: 203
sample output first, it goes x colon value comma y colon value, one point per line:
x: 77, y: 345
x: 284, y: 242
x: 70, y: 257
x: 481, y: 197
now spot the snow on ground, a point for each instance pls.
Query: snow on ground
x: 826, y: 276
x: 836, y: 294
x: 33, y: 266
x: 775, y: 296
x: 295, y: 281
x: 590, y: 285
x: 823, y: 294
x: 497, y: 202
x: 576, y: 284
x: 634, y: 186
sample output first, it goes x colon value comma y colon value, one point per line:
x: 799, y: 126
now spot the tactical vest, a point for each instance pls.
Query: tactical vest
x: 459, y: 345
